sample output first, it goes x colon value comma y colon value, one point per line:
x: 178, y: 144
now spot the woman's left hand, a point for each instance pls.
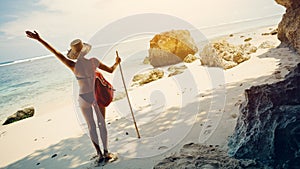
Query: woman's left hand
x: 33, y: 35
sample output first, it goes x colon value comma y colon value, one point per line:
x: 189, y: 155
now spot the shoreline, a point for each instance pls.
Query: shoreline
x: 26, y: 144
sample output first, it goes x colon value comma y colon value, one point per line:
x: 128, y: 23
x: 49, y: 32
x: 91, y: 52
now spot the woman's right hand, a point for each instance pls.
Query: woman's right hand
x: 32, y: 35
x: 118, y: 60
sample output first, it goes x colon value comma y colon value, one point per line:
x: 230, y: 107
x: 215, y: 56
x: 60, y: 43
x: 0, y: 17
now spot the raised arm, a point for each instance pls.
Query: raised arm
x: 69, y: 63
x: 112, y: 68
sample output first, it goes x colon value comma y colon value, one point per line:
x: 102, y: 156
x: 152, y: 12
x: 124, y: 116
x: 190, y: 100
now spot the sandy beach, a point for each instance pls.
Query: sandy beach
x: 199, y: 105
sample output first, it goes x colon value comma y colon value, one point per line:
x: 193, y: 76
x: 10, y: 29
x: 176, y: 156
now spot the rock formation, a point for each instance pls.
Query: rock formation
x: 147, y: 77
x: 171, y: 47
x: 19, y: 115
x: 268, y: 128
x: 197, y: 156
x: 289, y: 27
x: 225, y: 55
x: 190, y: 58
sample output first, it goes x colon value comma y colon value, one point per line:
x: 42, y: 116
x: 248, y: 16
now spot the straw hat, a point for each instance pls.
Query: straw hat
x: 78, y: 49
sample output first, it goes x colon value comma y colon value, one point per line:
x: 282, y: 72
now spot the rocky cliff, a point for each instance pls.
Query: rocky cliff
x: 289, y: 27
x: 268, y: 128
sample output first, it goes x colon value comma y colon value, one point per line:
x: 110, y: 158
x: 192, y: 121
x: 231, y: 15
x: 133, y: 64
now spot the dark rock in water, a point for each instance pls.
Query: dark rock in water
x: 19, y: 115
x: 288, y: 28
x: 268, y: 128
x: 197, y: 156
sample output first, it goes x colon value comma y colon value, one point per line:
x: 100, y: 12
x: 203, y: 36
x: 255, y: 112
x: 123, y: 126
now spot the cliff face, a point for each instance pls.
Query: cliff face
x: 289, y: 3
x: 289, y: 27
x: 268, y: 128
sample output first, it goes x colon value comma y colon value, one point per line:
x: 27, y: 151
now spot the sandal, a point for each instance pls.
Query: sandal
x: 98, y: 161
x: 109, y: 156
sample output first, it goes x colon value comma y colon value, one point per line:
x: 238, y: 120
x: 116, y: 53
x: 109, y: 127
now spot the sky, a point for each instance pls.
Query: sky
x: 59, y: 22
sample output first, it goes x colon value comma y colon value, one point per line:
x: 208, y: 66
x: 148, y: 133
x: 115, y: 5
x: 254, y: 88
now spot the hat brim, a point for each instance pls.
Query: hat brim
x: 72, y: 54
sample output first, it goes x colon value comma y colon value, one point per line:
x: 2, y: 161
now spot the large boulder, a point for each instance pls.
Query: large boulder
x: 20, y: 115
x: 289, y: 27
x: 268, y: 128
x: 171, y: 47
x: 225, y: 55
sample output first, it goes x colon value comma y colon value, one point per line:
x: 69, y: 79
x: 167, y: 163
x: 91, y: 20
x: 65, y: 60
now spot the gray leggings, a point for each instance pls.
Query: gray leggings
x: 87, y: 111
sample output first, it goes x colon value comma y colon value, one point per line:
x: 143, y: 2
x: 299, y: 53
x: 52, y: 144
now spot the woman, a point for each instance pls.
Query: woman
x: 84, y: 70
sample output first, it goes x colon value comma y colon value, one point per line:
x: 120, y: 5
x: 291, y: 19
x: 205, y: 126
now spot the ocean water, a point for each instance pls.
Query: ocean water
x: 40, y: 80
x: 31, y: 82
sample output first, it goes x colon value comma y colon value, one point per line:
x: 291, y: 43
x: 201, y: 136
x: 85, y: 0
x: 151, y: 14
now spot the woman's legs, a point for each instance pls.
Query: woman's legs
x: 87, y: 112
x: 103, y: 132
x: 100, y: 111
x: 88, y: 115
x: 103, y: 111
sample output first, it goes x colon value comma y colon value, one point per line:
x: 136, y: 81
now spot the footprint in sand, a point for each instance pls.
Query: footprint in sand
x: 238, y: 103
x: 234, y: 116
x: 289, y: 68
x: 54, y: 155
x: 2, y: 133
x: 162, y: 147
x: 248, y: 39
x: 277, y: 75
x: 206, y: 132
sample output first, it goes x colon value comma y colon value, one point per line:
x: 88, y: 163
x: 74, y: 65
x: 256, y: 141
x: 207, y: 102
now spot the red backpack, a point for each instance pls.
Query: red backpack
x: 104, y: 91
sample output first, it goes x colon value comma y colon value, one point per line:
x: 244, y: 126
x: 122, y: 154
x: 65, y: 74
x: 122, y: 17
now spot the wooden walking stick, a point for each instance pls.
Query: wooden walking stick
x: 136, y: 128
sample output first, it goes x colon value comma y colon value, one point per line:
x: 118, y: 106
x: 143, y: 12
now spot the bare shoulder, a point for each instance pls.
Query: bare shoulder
x: 95, y: 61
